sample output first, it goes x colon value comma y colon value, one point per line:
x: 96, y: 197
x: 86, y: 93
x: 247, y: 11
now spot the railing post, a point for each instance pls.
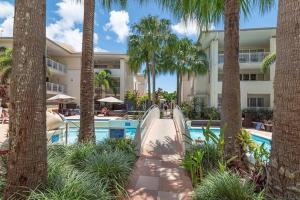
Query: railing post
x: 66, y: 132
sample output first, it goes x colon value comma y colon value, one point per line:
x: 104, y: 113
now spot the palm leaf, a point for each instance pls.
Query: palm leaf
x: 267, y: 62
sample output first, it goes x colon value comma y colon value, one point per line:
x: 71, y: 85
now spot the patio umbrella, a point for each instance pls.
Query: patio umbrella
x: 61, y: 99
x: 110, y: 100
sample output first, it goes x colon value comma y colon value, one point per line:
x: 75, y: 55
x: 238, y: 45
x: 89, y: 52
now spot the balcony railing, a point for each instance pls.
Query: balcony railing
x: 56, y: 65
x: 253, y: 57
x: 54, y: 87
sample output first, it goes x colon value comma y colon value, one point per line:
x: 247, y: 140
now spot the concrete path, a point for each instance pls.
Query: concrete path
x: 157, y: 174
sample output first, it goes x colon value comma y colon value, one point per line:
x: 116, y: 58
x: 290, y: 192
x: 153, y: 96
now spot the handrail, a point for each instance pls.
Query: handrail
x: 144, y: 123
x: 181, y: 124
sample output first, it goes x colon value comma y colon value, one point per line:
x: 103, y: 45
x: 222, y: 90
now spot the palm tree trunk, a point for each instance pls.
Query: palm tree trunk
x: 284, y: 179
x: 178, y: 90
x: 153, y: 83
x: 27, y: 159
x: 149, y: 83
x: 87, y: 130
x: 231, y: 106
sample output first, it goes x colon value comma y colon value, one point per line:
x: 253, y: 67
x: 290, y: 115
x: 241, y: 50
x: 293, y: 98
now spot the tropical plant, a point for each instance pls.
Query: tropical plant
x: 205, y: 13
x: 5, y: 65
x: 267, y: 62
x: 226, y: 186
x: 184, y: 58
x: 113, y: 168
x: 27, y: 157
x: 87, y: 127
x: 103, y: 80
x: 145, y: 44
x: 284, y: 176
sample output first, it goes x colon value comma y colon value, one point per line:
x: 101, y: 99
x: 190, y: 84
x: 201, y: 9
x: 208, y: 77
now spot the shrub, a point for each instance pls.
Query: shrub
x: 225, y: 186
x: 76, y: 186
x: 259, y: 114
x: 110, y: 145
x: 113, y: 168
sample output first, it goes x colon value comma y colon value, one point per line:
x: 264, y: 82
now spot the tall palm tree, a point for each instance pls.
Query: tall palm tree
x: 213, y: 11
x: 27, y: 158
x: 87, y: 129
x: 138, y: 55
x: 103, y: 80
x: 284, y: 176
x: 150, y: 34
x: 184, y: 58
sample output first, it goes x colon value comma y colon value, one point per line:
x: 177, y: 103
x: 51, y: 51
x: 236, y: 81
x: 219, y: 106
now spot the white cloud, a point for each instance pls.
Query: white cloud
x: 118, y: 23
x: 189, y: 28
x: 7, y: 9
x: 65, y: 30
x: 7, y: 13
x: 107, y: 37
x: 98, y: 49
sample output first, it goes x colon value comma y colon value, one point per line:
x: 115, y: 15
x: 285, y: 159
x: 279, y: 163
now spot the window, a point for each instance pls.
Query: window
x: 220, y: 77
x: 253, y: 77
x: 97, y: 66
x: 260, y: 77
x: 254, y: 102
x: 115, y: 67
x: 219, y: 100
x: 246, y: 77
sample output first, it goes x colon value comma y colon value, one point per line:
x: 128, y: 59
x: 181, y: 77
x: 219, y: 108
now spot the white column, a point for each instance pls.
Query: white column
x: 272, y: 69
x: 122, y: 79
x: 214, y: 54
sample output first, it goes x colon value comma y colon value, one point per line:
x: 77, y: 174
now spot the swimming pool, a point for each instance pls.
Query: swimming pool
x: 101, y: 134
x: 196, y: 133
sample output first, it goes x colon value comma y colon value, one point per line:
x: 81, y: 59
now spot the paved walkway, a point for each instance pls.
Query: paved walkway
x: 157, y: 174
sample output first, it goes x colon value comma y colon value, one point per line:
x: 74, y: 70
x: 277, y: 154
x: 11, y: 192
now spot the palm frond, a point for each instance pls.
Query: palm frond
x: 267, y: 62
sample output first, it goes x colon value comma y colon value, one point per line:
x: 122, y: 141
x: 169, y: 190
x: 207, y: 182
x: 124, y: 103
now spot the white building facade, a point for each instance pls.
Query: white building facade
x: 64, y: 65
x: 256, y: 87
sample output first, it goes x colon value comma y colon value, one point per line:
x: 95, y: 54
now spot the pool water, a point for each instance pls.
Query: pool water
x: 196, y: 133
x: 101, y: 134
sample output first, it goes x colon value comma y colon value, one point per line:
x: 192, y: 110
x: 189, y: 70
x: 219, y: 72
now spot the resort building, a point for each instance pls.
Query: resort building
x: 256, y: 86
x: 64, y: 65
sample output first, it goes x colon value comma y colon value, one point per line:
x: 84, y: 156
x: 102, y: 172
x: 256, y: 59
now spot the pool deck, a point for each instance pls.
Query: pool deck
x: 263, y: 134
x: 157, y: 174
x: 3, y: 133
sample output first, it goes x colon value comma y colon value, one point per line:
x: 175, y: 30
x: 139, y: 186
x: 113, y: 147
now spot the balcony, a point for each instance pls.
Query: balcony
x: 55, y: 88
x: 56, y: 66
x: 252, y: 57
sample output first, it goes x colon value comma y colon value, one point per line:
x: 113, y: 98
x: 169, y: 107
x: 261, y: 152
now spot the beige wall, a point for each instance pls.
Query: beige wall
x: 209, y: 86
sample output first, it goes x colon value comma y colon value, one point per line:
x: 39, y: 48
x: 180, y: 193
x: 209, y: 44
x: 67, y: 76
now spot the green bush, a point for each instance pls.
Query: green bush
x: 113, y: 168
x: 225, y: 186
x: 259, y: 114
x: 76, y: 186
x: 110, y: 145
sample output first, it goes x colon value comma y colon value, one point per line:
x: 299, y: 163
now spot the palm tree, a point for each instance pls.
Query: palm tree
x: 137, y: 56
x: 284, y: 176
x: 149, y: 36
x: 87, y: 129
x: 27, y: 158
x: 184, y: 58
x: 5, y: 64
x: 213, y: 11
x: 103, y: 80
x: 267, y: 62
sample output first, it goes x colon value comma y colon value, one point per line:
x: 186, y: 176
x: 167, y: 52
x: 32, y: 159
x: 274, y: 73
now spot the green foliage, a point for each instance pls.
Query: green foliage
x: 267, y: 62
x: 113, y: 168
x: 197, y: 110
x: 104, y: 80
x: 5, y: 64
x: 259, y: 114
x: 76, y: 186
x: 225, y: 186
x: 88, y: 171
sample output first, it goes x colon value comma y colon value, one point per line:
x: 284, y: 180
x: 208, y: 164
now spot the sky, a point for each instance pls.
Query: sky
x: 64, y: 24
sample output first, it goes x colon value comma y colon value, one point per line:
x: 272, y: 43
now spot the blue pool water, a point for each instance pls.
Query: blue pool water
x: 196, y: 133
x: 101, y: 134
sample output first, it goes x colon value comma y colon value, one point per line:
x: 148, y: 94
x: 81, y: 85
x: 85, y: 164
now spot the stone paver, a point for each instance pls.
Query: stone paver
x: 157, y: 174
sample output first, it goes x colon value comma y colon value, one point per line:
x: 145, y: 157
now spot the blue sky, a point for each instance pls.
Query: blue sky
x: 64, y: 24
